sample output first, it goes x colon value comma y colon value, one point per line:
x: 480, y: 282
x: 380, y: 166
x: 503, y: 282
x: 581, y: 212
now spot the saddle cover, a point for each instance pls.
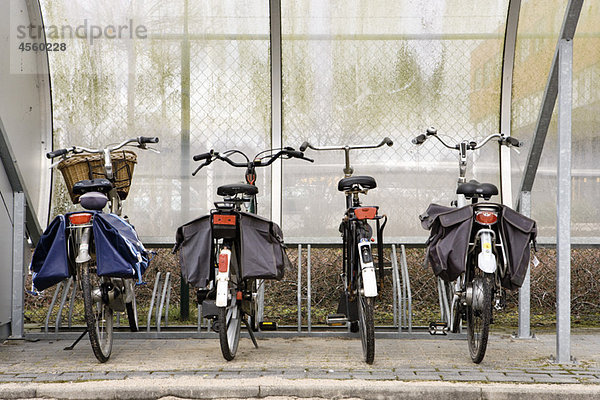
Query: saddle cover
x: 119, y: 252
x: 450, y: 232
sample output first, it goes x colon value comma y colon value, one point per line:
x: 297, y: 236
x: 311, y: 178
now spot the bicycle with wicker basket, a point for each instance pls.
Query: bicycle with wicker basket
x: 100, y: 250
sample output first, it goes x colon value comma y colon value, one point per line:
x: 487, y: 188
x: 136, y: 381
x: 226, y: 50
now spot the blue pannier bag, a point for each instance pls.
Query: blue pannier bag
x: 119, y: 252
x: 49, y: 263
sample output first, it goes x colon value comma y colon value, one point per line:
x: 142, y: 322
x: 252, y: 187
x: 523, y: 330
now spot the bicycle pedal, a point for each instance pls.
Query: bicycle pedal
x: 438, y: 328
x: 336, y: 320
x: 267, y: 326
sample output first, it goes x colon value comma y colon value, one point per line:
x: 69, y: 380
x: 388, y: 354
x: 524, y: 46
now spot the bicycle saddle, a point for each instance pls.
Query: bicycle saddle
x: 367, y: 182
x: 476, y: 189
x: 235, y: 188
x: 101, y: 185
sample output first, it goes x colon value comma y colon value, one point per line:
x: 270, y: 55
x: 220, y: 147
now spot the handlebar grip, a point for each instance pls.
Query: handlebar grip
x: 203, y: 156
x: 147, y: 139
x: 303, y: 146
x: 513, y: 141
x: 419, y: 139
x: 388, y: 141
x: 295, y: 153
x: 56, y: 153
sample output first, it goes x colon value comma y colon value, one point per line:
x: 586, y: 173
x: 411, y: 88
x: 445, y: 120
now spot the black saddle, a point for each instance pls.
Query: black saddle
x: 476, y: 189
x: 366, y: 182
x: 235, y: 188
x: 101, y: 185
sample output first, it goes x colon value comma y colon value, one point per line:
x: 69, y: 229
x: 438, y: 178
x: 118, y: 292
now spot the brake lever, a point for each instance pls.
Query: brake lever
x: 204, y: 164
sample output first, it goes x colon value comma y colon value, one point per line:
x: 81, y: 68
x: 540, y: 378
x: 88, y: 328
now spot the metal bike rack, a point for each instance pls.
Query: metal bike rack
x: 161, y: 294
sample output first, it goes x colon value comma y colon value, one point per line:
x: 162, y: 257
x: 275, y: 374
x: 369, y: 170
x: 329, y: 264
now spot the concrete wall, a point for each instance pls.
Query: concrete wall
x: 26, y: 135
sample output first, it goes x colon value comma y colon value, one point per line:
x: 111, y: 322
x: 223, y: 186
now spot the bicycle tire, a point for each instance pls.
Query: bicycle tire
x: 132, y: 315
x: 478, y: 320
x: 366, y: 325
x: 98, y: 317
x: 230, y: 322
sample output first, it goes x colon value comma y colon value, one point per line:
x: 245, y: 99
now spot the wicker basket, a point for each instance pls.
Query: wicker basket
x: 91, y: 166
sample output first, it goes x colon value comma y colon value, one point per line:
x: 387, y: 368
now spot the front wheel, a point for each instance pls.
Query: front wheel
x: 479, y: 314
x: 132, y: 315
x: 366, y: 326
x: 98, y: 315
x: 229, y: 323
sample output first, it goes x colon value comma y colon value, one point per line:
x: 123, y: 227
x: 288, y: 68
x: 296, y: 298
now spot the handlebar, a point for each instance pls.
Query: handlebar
x: 258, y: 160
x: 470, y: 145
x: 386, y: 140
x: 348, y: 170
x: 141, y: 141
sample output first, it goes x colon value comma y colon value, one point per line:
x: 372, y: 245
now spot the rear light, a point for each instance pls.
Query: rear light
x: 365, y: 212
x: 486, y: 217
x: 80, y: 219
x: 219, y: 219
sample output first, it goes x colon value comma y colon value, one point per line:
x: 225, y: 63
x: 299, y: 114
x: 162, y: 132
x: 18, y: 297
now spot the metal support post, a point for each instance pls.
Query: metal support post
x: 398, y: 291
x: 276, y: 108
x: 18, y: 277
x: 308, y: 289
x: 63, y: 300
x: 563, y: 210
x: 184, y: 301
x: 525, y: 290
x: 299, y: 288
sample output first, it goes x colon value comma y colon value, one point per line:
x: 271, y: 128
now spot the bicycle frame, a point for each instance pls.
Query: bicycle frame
x: 104, y: 294
x: 358, y: 269
x: 472, y: 292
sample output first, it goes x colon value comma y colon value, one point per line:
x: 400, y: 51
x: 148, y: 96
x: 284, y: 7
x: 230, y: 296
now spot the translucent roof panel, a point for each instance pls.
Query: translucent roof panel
x: 133, y: 80
x: 354, y: 73
x: 539, y: 26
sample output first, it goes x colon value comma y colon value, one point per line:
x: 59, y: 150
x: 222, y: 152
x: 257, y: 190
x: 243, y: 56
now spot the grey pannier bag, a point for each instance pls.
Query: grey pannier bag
x: 448, y: 241
x: 263, y: 252
x: 261, y: 248
x: 194, y: 240
x: 517, y: 232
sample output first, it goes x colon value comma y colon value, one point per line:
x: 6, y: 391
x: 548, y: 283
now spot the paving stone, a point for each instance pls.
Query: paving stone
x: 293, y: 374
x: 464, y: 378
x: 552, y: 379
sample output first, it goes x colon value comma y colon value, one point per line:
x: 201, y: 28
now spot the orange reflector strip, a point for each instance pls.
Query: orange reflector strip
x: 222, y: 262
x: 239, y: 296
x: 219, y: 219
x: 79, y: 219
x: 365, y: 212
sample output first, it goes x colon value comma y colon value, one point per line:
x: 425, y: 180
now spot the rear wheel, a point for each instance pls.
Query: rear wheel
x: 366, y: 326
x: 479, y: 313
x: 230, y: 322
x: 98, y: 315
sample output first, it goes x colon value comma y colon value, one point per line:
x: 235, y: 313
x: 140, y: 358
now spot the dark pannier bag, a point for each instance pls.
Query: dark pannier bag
x: 194, y: 240
x: 449, y: 239
x: 517, y: 232
x: 262, y: 250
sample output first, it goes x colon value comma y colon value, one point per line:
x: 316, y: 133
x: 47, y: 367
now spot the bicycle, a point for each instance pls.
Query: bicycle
x: 474, y: 277
x: 360, y: 289
x: 80, y: 244
x: 228, y: 253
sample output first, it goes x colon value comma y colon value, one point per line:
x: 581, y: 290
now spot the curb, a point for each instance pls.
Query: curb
x: 201, y: 388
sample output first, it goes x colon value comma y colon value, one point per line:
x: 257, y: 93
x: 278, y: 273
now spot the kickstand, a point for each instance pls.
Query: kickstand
x: 250, y: 332
x: 71, y: 347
